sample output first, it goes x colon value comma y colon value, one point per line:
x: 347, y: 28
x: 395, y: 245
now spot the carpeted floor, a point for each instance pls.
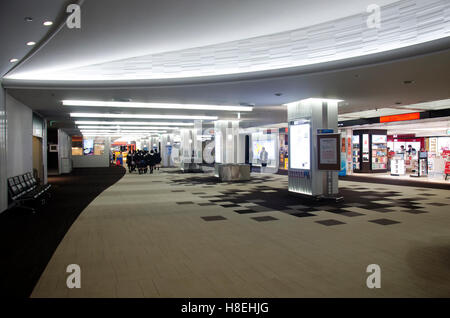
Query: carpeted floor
x: 28, y: 241
x: 188, y: 235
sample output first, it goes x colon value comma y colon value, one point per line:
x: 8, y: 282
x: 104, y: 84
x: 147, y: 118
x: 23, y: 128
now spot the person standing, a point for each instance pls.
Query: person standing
x: 157, y: 159
x: 263, y: 156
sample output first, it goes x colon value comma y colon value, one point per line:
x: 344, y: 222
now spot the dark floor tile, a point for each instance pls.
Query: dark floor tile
x: 337, y: 211
x: 383, y: 210
x: 415, y: 211
x: 436, y: 204
x: 178, y: 191
x: 384, y: 221
x: 185, y: 202
x: 264, y: 218
x: 302, y: 214
x: 206, y: 204
x: 213, y: 218
x: 218, y: 200
x: 351, y: 214
x: 230, y: 205
x: 245, y: 211
x: 330, y: 222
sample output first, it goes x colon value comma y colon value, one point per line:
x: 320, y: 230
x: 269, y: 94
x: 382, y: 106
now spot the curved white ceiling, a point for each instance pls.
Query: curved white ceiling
x: 191, y: 30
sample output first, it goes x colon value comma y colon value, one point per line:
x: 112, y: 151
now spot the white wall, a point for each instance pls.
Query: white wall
x: 19, y: 137
x: 3, y: 156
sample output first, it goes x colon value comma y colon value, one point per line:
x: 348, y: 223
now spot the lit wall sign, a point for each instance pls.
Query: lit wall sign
x: 299, y: 146
x: 402, y: 117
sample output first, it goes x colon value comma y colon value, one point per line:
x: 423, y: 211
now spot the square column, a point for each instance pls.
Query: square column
x: 227, y: 147
x: 191, y: 148
x: 309, y: 119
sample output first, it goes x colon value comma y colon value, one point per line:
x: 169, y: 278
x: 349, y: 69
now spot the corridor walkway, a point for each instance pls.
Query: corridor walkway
x: 185, y: 235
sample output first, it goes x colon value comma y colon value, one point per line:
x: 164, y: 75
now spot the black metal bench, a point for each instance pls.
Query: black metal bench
x: 25, y: 192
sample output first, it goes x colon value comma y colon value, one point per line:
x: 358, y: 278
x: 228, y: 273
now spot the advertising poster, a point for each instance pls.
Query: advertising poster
x: 327, y: 150
x: 88, y: 147
x: 365, y: 147
x: 258, y: 145
x: 299, y: 147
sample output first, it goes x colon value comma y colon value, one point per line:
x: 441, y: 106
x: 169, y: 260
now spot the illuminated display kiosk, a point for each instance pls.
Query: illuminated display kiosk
x: 314, y: 148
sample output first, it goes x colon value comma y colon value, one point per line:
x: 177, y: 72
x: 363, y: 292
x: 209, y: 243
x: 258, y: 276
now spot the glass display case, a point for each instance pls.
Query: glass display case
x: 379, y: 152
x: 369, y: 150
x: 355, y: 153
x: 398, y: 165
x: 420, y: 165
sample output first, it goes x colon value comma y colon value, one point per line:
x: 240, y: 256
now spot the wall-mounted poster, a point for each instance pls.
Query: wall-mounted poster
x: 299, y: 146
x: 327, y: 148
x: 88, y: 147
x: 329, y: 152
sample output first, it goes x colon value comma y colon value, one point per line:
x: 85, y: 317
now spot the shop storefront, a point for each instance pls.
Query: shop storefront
x: 423, y: 152
x: 284, y: 149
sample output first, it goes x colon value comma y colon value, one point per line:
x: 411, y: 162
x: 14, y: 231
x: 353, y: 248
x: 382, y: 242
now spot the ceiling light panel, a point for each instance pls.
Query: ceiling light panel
x: 87, y: 103
x: 125, y: 131
x: 142, y: 116
x: 128, y: 127
x: 135, y: 123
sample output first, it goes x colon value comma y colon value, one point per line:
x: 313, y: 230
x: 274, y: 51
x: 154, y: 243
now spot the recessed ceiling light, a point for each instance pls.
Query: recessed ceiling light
x: 28, y: 19
x: 47, y: 23
x: 89, y: 103
x: 13, y: 60
x: 278, y: 94
x: 142, y: 116
x: 398, y: 103
x: 31, y: 43
x: 408, y: 82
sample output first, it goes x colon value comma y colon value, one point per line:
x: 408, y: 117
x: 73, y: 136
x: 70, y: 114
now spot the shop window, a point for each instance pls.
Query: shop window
x: 83, y: 146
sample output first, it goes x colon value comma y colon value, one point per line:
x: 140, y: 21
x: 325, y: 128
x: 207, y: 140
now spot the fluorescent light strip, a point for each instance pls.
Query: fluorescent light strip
x: 92, y: 103
x: 133, y: 123
x: 127, y: 127
x: 123, y: 131
x: 142, y: 116
x: 117, y: 134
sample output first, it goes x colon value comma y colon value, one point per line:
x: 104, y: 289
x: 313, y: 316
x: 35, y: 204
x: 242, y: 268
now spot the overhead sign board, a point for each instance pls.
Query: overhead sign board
x: 402, y: 117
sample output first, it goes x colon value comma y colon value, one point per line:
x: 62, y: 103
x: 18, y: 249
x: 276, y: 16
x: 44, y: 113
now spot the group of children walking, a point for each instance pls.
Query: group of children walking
x: 144, y: 161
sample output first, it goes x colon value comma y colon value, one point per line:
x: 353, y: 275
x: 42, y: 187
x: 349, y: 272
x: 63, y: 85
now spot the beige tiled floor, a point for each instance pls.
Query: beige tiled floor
x: 134, y: 241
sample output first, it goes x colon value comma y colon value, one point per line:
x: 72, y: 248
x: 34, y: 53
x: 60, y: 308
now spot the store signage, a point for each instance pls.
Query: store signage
x: 325, y: 131
x: 402, y: 117
x: 447, y: 167
x: 433, y: 145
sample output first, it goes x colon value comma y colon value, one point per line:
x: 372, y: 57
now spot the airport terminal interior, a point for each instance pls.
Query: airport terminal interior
x: 217, y: 149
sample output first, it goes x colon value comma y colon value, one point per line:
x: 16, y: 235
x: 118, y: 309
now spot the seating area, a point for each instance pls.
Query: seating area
x: 26, y: 192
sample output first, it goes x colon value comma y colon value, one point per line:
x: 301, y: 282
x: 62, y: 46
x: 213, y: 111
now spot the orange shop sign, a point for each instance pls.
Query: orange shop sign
x: 402, y: 117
